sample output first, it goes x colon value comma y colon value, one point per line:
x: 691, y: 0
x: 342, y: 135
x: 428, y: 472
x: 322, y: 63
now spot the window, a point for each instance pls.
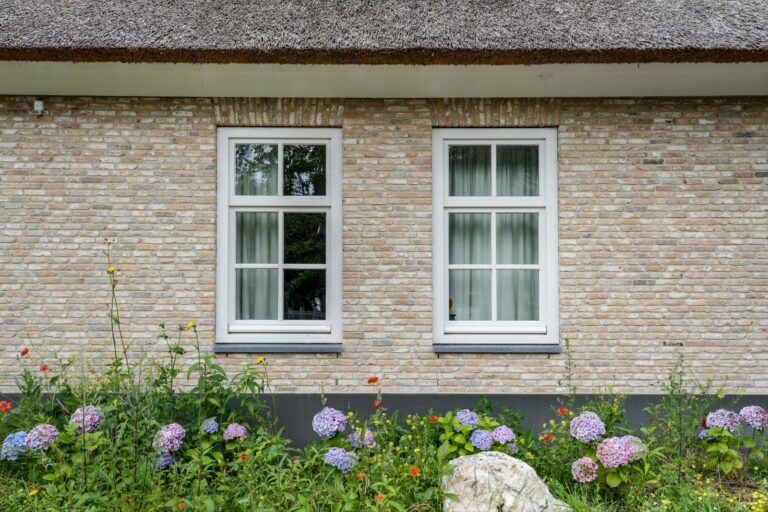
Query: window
x: 495, y: 237
x: 279, y: 236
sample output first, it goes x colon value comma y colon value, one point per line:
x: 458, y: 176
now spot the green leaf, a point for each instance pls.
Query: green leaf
x: 613, y: 479
x: 749, y: 443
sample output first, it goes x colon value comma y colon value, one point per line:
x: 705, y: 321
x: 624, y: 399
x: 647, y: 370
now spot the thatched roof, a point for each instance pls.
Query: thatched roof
x: 385, y: 31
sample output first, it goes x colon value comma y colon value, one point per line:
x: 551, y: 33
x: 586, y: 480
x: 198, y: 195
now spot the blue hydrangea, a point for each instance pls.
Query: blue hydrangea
x: 587, y: 427
x: 368, y: 439
x: 341, y: 459
x: 503, y: 434
x: 165, y: 460
x: 481, y: 439
x: 13, y: 446
x: 41, y: 437
x: 468, y: 418
x: 209, y: 426
x: 329, y: 422
x: 513, y: 447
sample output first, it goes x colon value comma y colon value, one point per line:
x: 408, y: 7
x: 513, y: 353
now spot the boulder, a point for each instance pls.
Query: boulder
x: 496, y: 482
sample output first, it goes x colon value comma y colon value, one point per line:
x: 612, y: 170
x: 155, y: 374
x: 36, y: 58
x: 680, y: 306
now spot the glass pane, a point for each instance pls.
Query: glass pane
x: 469, y: 295
x: 256, y: 293
x: 304, y: 295
x: 256, y: 169
x: 517, y: 238
x: 304, y: 170
x: 517, y: 170
x: 304, y: 238
x: 517, y: 294
x: 469, y: 238
x: 469, y: 170
x: 256, y: 237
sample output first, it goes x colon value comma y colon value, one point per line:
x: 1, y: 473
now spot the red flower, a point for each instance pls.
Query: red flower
x: 182, y: 505
x: 376, y: 404
x: 5, y: 406
x: 547, y: 438
x: 704, y: 422
x: 24, y: 352
x: 43, y: 367
x: 562, y: 411
x: 373, y: 380
x: 434, y: 419
x: 379, y: 498
x: 244, y: 457
x: 415, y: 471
x: 362, y: 476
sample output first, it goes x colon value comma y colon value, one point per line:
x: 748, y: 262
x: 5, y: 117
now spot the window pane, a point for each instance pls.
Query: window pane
x: 469, y: 170
x: 469, y: 293
x: 304, y: 170
x: 256, y: 169
x: 517, y: 238
x: 469, y: 238
x: 304, y: 295
x: 304, y: 238
x: 256, y: 293
x: 256, y: 237
x: 517, y: 170
x: 517, y: 294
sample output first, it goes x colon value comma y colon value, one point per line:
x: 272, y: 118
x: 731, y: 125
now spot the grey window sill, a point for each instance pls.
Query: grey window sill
x: 275, y: 348
x: 449, y: 348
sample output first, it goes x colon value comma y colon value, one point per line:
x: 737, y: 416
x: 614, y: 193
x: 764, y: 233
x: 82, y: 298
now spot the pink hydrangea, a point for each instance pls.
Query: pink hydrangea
x: 587, y: 427
x: 235, y: 431
x: 584, y: 470
x: 754, y: 416
x: 619, y: 451
x: 169, y: 438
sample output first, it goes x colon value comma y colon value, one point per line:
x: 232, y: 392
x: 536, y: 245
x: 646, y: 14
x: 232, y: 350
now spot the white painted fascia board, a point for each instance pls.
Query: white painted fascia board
x: 385, y: 81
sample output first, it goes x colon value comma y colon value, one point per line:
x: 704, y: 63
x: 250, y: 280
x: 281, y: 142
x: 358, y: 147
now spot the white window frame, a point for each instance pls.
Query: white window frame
x: 546, y: 330
x: 254, y: 332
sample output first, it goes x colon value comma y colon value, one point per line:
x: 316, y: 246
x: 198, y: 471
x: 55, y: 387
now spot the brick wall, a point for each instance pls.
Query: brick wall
x: 663, y: 235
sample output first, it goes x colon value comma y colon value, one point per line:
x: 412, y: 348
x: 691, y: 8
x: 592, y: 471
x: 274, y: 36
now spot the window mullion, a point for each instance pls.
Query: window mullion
x: 493, y: 170
x: 493, y: 267
x: 280, y: 256
x: 280, y: 169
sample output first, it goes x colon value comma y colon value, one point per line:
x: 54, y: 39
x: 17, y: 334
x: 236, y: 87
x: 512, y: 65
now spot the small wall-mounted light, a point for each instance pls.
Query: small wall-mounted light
x: 39, y: 107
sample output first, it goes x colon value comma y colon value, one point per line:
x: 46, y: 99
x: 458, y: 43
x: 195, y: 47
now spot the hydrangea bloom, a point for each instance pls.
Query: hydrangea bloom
x: 635, y: 445
x: 169, y: 438
x: 723, y: 418
x: 341, y: 459
x: 468, y: 418
x: 368, y: 439
x: 165, y: 460
x: 481, y: 439
x: 13, y: 446
x: 209, y: 426
x: 87, y: 418
x: 584, y: 470
x: 587, y: 427
x: 503, y: 434
x: 618, y: 451
x: 514, y: 448
x: 41, y: 437
x: 329, y: 422
x: 235, y: 431
x: 754, y: 416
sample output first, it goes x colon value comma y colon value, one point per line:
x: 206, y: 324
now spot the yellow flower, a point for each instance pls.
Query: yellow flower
x: 33, y: 492
x: 191, y: 324
x: 350, y: 414
x: 111, y: 270
x: 259, y: 359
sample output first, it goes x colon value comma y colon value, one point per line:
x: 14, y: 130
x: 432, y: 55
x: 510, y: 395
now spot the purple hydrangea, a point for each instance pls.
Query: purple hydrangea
x: 503, y: 434
x: 169, y: 438
x: 87, y: 418
x: 468, y: 418
x: 635, y: 445
x: 584, y: 470
x: 368, y: 439
x: 329, y: 422
x: 341, y: 459
x: 13, y: 446
x: 209, y: 426
x: 618, y: 451
x: 481, y: 439
x: 513, y: 447
x: 41, y: 437
x: 723, y: 418
x: 235, y: 431
x: 587, y: 427
x: 754, y: 416
x: 165, y: 460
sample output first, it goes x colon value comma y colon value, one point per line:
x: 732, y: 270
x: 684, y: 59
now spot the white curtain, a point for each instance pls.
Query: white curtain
x: 256, y: 169
x: 469, y: 170
x: 517, y: 170
x: 256, y: 288
x: 470, y: 243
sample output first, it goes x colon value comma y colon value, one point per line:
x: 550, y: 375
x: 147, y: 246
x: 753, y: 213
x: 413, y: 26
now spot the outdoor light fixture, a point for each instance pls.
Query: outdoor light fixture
x: 39, y: 107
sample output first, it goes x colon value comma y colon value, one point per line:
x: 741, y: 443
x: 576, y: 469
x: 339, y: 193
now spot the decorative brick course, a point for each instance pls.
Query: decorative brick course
x: 663, y: 235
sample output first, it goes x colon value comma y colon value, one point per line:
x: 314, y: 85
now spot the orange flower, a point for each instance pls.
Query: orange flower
x: 43, y: 367
x: 434, y: 419
x: 547, y: 438
x: 244, y: 457
x: 24, y: 352
x: 379, y: 498
x: 376, y: 404
x: 182, y: 505
x: 362, y: 476
x: 415, y: 471
x: 373, y: 380
x: 5, y: 406
x: 562, y: 411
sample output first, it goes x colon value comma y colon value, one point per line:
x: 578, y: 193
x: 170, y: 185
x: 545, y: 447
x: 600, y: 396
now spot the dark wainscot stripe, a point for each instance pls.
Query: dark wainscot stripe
x: 274, y: 348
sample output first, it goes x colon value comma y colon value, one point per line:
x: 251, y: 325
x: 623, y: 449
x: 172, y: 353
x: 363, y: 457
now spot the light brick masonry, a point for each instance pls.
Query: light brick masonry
x: 663, y: 235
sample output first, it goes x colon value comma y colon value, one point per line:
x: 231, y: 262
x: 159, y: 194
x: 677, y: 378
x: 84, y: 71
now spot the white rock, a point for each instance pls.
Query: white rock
x: 496, y: 482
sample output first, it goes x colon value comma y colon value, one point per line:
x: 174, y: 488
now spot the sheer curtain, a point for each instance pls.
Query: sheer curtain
x: 470, y: 243
x: 517, y: 170
x: 517, y: 243
x: 256, y: 288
